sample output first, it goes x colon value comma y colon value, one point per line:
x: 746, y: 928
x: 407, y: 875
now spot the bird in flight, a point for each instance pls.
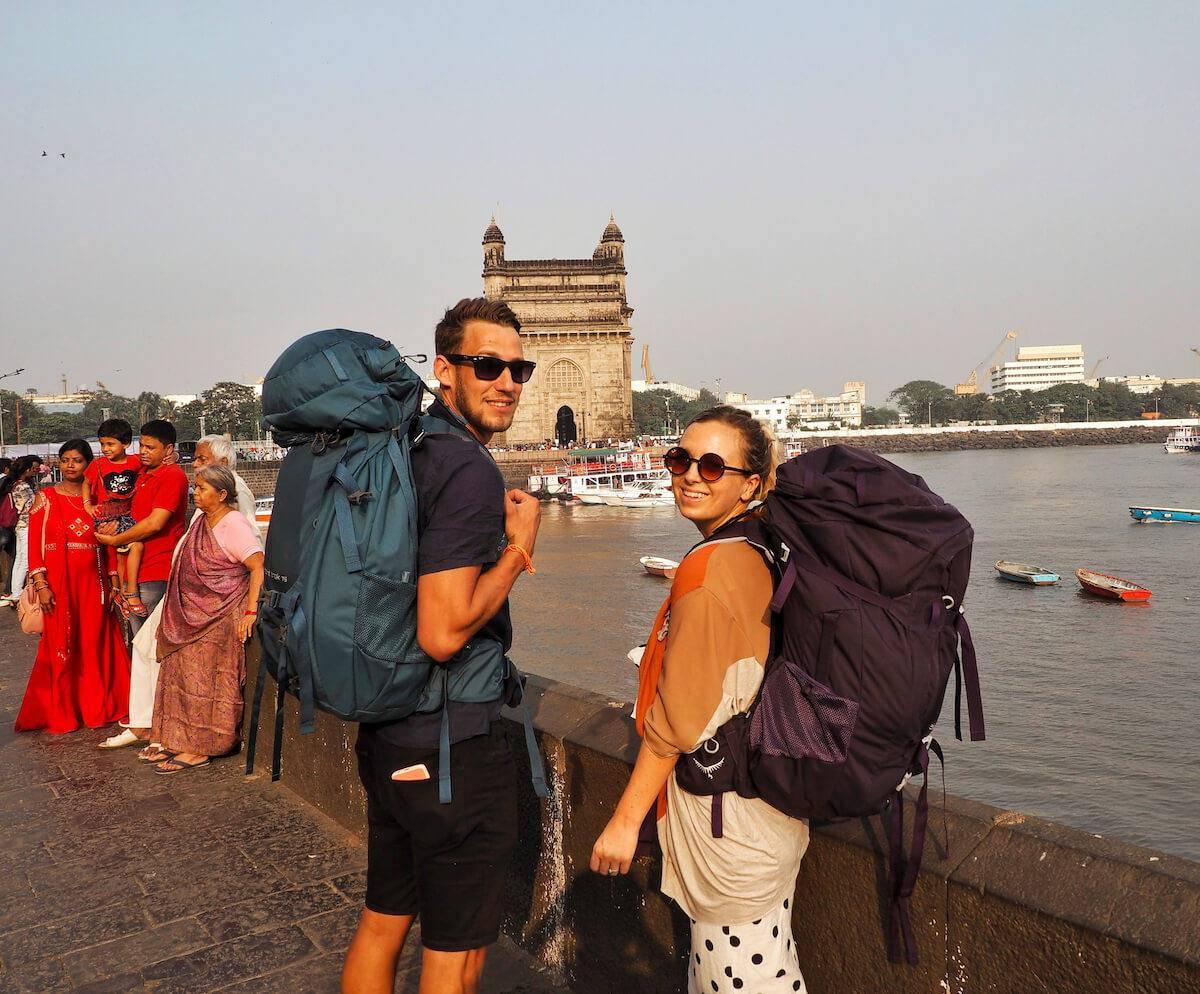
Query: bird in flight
x: 63, y: 154
x: 43, y: 153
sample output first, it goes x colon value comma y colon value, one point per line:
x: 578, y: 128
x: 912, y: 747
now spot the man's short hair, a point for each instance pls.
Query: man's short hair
x: 161, y: 430
x: 448, y: 335
x: 221, y: 449
x: 117, y: 428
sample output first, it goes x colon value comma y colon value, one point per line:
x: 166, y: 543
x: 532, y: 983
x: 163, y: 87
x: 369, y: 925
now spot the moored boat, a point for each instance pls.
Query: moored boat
x: 1165, y: 514
x: 263, y: 506
x: 1112, y: 587
x: 659, y: 567
x: 1184, y: 439
x: 1038, y: 576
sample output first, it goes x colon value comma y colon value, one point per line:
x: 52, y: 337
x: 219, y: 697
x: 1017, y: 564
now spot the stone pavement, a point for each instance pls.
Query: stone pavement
x: 116, y: 880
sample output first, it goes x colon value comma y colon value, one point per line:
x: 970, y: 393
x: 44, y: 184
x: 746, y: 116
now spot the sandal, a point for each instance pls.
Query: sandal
x: 133, y: 605
x: 154, y: 754
x: 177, y: 765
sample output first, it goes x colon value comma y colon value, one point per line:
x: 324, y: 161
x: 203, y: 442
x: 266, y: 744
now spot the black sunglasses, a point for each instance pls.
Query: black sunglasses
x: 488, y: 367
x: 712, y: 467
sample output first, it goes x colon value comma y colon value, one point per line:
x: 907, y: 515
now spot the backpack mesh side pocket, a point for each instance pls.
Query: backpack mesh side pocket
x: 385, y: 623
x: 800, y: 718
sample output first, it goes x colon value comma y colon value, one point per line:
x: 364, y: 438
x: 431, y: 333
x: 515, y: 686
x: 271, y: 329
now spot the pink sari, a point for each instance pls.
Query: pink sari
x: 198, y: 700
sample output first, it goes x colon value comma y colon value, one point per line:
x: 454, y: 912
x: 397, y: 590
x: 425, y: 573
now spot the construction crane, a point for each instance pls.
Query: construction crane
x: 646, y: 364
x: 1096, y: 368
x: 970, y: 386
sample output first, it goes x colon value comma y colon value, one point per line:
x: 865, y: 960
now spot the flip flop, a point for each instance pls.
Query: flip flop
x: 154, y: 754
x: 163, y: 769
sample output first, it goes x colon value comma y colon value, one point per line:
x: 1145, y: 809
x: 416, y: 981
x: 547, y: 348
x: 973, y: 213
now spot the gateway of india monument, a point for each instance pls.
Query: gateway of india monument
x: 575, y: 326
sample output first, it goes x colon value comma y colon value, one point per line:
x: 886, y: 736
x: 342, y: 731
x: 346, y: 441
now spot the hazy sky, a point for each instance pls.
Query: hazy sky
x: 809, y: 192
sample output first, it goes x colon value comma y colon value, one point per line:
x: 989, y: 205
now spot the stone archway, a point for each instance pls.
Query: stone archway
x: 565, y: 431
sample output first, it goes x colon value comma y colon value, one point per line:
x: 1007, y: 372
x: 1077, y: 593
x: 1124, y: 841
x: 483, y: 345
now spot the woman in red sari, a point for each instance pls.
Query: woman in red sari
x: 81, y: 674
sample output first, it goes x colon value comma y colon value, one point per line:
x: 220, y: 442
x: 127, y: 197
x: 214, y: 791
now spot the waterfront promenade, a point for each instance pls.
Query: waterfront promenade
x: 119, y: 881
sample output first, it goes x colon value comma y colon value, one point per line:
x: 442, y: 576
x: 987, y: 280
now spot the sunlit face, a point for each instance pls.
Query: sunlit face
x: 206, y: 497
x: 203, y: 457
x: 71, y: 465
x: 112, y: 448
x: 152, y: 452
x: 488, y: 407
x: 710, y: 505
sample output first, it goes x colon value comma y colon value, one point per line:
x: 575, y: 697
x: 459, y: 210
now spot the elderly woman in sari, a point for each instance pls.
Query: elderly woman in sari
x: 211, y: 450
x: 209, y: 611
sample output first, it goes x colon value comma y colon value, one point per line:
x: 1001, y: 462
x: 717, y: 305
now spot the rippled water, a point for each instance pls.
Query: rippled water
x: 1091, y: 705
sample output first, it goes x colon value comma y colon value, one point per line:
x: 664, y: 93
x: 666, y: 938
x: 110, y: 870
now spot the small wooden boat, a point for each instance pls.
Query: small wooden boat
x: 659, y: 567
x: 1024, y: 573
x: 1141, y: 514
x: 1112, y: 587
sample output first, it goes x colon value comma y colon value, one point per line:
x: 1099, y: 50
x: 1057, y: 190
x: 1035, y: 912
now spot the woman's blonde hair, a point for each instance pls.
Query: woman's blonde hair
x: 758, y: 444
x: 220, y: 478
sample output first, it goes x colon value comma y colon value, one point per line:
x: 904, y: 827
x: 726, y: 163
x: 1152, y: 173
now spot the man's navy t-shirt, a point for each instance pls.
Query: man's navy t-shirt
x: 460, y: 522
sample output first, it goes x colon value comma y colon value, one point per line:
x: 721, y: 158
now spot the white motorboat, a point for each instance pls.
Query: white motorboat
x: 263, y: 506
x: 648, y: 493
x: 659, y: 567
x: 1185, y: 439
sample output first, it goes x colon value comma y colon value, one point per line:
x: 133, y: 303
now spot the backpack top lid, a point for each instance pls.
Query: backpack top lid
x: 339, y: 380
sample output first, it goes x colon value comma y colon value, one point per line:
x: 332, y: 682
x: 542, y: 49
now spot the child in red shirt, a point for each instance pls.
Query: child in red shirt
x: 108, y: 487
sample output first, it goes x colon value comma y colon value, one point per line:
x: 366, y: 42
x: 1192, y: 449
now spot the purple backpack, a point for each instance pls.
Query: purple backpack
x: 871, y: 569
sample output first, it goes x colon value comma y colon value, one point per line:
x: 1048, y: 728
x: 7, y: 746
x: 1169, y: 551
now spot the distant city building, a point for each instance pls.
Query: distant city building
x: 1146, y: 382
x: 575, y: 326
x: 806, y: 409
x: 687, y: 393
x: 60, y: 403
x: 1039, y: 367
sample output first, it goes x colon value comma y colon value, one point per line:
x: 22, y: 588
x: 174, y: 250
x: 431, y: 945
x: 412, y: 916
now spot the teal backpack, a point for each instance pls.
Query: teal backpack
x: 338, y: 614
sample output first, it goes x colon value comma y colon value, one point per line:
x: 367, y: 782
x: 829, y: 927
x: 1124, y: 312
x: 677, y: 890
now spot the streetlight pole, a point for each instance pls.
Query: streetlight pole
x: 1087, y: 409
x: 929, y: 417
x: 4, y: 376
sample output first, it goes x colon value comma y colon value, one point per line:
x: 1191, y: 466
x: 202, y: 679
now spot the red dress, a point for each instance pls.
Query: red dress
x: 81, y: 674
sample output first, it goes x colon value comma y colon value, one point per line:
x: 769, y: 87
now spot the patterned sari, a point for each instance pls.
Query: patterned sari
x: 198, y: 700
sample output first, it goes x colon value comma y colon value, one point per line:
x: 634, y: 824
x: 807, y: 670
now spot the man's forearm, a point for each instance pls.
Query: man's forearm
x: 487, y: 598
x: 141, y: 531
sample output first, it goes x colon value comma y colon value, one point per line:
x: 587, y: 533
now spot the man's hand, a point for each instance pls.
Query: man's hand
x: 522, y: 517
x: 108, y: 528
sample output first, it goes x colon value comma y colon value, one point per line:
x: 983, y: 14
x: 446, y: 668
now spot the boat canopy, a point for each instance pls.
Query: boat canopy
x: 594, y: 453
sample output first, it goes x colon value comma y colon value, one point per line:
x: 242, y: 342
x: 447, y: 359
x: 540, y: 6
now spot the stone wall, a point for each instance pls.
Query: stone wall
x: 1005, y: 902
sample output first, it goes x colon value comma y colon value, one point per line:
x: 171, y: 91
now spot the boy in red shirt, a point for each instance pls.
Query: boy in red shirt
x: 108, y: 487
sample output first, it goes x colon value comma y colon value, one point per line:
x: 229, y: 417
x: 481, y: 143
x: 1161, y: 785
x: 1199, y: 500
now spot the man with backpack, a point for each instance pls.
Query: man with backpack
x: 447, y: 862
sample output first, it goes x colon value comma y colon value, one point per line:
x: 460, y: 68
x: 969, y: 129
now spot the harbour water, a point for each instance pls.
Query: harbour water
x: 1091, y: 705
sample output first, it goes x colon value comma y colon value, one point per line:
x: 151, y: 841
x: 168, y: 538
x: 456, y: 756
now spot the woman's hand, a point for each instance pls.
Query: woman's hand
x: 46, y: 598
x: 245, y: 626
x: 613, y: 851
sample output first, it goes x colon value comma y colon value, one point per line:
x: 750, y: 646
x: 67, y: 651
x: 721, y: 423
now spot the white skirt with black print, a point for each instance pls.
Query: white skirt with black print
x: 756, y: 958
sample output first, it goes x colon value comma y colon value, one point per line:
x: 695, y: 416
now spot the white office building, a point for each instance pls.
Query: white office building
x: 1040, y: 367
x: 805, y: 409
x: 686, y: 392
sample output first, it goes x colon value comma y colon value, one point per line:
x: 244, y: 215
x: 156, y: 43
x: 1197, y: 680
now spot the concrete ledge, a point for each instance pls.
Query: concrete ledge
x: 1012, y: 904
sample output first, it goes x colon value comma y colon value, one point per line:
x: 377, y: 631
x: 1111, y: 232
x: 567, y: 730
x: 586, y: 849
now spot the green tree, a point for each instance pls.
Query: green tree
x: 1173, y: 401
x: 56, y: 427
x: 187, y: 421
x: 880, y: 416
x: 650, y: 410
x: 232, y: 408
x: 924, y: 400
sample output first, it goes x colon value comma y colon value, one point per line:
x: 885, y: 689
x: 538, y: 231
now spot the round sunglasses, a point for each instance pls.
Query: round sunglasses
x: 488, y: 367
x: 712, y: 467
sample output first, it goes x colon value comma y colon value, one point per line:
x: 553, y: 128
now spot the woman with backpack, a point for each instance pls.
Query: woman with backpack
x: 17, y: 490
x: 729, y: 863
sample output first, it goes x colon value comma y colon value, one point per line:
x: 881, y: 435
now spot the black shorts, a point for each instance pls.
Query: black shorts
x: 446, y: 863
